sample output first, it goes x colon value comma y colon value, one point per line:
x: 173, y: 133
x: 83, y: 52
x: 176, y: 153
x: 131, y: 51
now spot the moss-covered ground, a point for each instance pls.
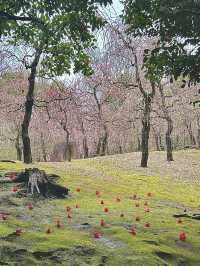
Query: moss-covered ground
x: 114, y: 180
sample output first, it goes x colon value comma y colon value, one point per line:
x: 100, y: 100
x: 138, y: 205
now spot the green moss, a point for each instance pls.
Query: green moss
x: 5, y: 229
x: 112, y: 180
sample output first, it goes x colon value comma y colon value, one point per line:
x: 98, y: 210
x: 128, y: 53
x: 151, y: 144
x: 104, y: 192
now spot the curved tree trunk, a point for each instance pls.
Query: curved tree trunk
x: 145, y: 131
x: 28, y: 110
x: 169, y: 139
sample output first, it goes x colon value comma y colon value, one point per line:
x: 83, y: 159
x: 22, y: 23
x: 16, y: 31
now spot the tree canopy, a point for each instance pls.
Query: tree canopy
x: 59, y: 29
x: 176, y: 26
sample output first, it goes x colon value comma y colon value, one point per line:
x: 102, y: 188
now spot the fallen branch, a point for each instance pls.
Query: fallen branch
x: 194, y: 216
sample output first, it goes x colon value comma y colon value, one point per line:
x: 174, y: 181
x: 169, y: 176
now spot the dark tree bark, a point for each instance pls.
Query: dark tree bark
x: 138, y: 144
x: 162, y: 148
x: 147, y: 99
x: 104, y: 142
x: 145, y: 130
x: 189, y: 129
x: 120, y: 149
x: 168, y: 133
x: 46, y: 183
x: 28, y: 110
x: 169, y: 140
x: 70, y: 151
x: 102, y: 146
x: 18, y: 148
x: 85, y: 148
x: 66, y: 154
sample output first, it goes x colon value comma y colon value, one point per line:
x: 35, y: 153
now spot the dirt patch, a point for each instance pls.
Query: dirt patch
x: 111, y: 243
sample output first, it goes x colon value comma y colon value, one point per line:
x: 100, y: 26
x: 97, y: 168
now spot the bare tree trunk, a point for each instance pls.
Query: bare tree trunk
x: 69, y: 157
x: 85, y: 148
x: 147, y: 97
x: 138, y: 144
x: 198, y: 137
x: 189, y: 129
x: 198, y: 131
x: 28, y: 110
x: 169, y: 139
x: 103, y: 142
x: 85, y: 145
x: 160, y: 142
x: 44, y: 152
x: 145, y: 130
x: 18, y: 148
x: 120, y: 149
x: 98, y: 146
x: 156, y: 136
x: 168, y: 133
x: 66, y: 149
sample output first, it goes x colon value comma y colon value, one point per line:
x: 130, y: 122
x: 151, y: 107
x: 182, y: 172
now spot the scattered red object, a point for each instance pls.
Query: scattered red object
x: 49, y: 231
x: 137, y: 218
x: 77, y: 206
x: 137, y: 205
x: 97, y: 234
x: 147, y: 210
x: 106, y: 210
x: 179, y: 221
x: 102, y: 223
x: 121, y: 215
x: 14, y: 189
x: 4, y: 217
x: 30, y: 206
x: 102, y: 202
x: 133, y: 231
x: 18, y: 232
x: 149, y: 194
x: 146, y: 203
x: 182, y: 236
x: 147, y: 225
x: 118, y: 199
x: 97, y: 193
x: 78, y: 189
x: 68, y: 209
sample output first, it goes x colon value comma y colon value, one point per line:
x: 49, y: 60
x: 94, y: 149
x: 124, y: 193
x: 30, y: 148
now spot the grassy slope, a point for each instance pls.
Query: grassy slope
x: 174, y: 189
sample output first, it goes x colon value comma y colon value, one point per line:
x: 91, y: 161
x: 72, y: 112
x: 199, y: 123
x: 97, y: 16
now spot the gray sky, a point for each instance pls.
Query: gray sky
x: 117, y: 6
